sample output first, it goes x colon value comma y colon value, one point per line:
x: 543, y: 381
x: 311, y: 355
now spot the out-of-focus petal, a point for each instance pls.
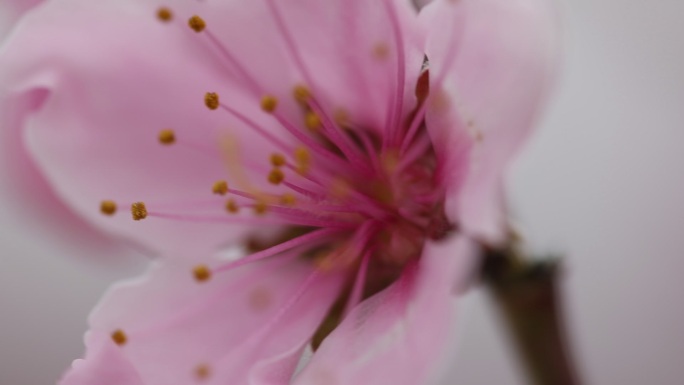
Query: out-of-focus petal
x: 491, y: 64
x: 11, y: 11
x: 105, y: 364
x: 400, y: 335
x: 249, y: 322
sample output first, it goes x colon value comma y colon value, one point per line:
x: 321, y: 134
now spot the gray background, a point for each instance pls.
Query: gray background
x: 602, y: 182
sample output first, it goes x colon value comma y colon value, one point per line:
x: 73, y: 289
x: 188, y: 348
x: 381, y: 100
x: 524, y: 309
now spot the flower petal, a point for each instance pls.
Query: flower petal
x: 400, y: 335
x: 105, y: 364
x: 11, y: 11
x: 106, y: 94
x: 492, y: 63
x: 249, y: 322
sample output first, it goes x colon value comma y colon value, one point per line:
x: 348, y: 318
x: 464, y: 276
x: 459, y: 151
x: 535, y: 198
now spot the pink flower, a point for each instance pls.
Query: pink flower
x: 359, y: 170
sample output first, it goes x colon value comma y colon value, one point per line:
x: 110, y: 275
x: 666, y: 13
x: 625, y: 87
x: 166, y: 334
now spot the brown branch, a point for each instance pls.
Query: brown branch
x: 527, y: 297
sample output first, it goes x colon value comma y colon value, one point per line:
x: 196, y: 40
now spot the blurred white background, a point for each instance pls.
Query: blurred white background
x: 600, y: 182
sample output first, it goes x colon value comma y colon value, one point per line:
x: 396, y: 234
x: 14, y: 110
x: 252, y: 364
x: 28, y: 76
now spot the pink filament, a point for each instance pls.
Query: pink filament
x: 309, y: 239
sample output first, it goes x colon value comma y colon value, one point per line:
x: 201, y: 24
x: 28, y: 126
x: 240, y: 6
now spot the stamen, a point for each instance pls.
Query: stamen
x: 211, y: 100
x: 299, y: 220
x: 232, y: 207
x: 258, y: 129
x: 108, y: 208
x: 260, y: 208
x: 325, y: 153
x: 336, y: 134
x: 398, y: 97
x: 301, y: 94
x: 269, y: 103
x: 167, y: 137
x: 307, y: 193
x: 276, y: 176
x: 340, y: 188
x: 302, y: 159
x: 288, y: 200
x: 312, y: 239
x: 197, y: 24
x: 357, y: 291
x: 278, y: 160
x: 119, y: 337
x: 202, y: 273
x: 312, y: 121
x: 202, y: 372
x: 341, y: 117
x: 139, y: 211
x: 164, y: 14
x: 220, y: 188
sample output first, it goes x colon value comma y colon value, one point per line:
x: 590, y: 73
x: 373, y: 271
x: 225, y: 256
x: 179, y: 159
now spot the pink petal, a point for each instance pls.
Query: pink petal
x: 249, y: 322
x: 11, y: 11
x: 105, y: 364
x: 400, y: 335
x: 31, y: 199
x: 497, y: 60
x: 105, y: 95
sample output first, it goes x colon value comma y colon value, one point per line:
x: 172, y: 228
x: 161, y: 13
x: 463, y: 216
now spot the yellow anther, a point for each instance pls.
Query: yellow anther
x: 312, y: 121
x: 288, y: 200
x: 108, y: 207
x: 139, y: 211
x: 341, y: 117
x: 164, y: 14
x: 276, y: 176
x: 390, y: 161
x: 381, y: 51
x: 167, y: 137
x: 278, y: 160
x: 269, y: 103
x: 220, y: 188
x: 340, y: 188
x: 232, y: 206
x: 301, y: 94
x: 260, y: 208
x: 119, y: 337
x: 202, y: 372
x: 201, y: 273
x: 303, y: 159
x: 197, y: 23
x: 211, y: 100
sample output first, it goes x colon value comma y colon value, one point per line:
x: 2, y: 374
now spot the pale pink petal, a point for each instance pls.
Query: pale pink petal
x: 31, y: 199
x: 491, y: 65
x: 400, y: 335
x: 249, y: 322
x: 11, y: 11
x: 105, y: 364
x: 104, y: 96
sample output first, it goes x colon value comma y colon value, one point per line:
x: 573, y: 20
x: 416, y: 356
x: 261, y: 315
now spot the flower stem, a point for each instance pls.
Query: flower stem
x: 527, y: 296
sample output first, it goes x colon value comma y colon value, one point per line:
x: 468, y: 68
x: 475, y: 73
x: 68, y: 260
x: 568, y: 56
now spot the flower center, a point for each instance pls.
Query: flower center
x: 348, y: 197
